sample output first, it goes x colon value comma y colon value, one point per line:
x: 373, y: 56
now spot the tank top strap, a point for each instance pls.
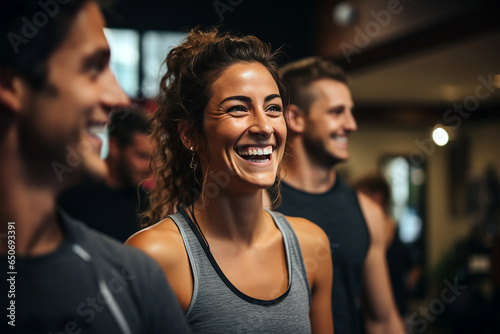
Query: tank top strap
x: 292, y: 244
x: 194, y: 251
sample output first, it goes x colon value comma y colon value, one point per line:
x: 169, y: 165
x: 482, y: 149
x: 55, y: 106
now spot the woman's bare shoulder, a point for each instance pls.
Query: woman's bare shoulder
x: 162, y: 241
x: 309, y: 234
x: 316, y: 251
x: 305, y: 227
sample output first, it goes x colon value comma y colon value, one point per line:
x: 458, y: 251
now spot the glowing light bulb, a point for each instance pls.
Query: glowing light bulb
x: 440, y: 136
x: 344, y: 14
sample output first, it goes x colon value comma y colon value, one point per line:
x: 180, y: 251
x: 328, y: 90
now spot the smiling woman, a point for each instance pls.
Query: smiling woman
x: 220, y: 132
x: 244, y: 118
x: 193, y: 68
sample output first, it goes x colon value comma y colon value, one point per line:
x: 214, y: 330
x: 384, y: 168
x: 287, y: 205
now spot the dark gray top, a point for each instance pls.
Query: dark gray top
x: 91, y: 284
x: 217, y: 306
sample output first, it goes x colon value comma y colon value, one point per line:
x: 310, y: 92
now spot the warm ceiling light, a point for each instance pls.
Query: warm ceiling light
x: 440, y: 136
x: 344, y: 14
x: 496, y: 80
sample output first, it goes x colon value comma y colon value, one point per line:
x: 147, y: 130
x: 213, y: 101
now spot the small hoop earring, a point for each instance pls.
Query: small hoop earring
x: 193, y: 164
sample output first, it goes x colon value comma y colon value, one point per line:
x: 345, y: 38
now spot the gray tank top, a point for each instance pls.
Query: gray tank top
x: 217, y: 306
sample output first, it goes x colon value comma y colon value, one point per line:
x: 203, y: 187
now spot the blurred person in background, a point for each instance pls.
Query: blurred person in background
x: 113, y: 206
x: 320, y: 121
x: 404, y: 271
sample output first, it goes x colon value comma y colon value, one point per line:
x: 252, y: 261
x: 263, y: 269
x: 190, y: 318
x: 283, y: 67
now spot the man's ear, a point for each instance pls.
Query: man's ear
x: 296, y: 119
x: 13, y: 89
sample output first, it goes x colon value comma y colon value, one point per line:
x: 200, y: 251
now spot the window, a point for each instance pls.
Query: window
x: 128, y: 59
x: 124, y: 45
x: 155, y: 47
x: 407, y: 185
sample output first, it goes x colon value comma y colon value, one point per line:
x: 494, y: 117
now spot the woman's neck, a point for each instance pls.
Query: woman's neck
x: 240, y: 218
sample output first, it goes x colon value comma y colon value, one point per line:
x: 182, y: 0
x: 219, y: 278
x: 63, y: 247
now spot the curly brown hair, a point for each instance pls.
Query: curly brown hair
x: 192, y: 68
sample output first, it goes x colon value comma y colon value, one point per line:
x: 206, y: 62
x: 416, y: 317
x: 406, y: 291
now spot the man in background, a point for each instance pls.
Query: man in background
x: 320, y: 121
x: 113, y: 206
x: 56, y: 91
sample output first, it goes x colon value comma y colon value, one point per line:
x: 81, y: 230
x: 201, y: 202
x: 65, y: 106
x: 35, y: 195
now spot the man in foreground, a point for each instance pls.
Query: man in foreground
x: 56, y: 91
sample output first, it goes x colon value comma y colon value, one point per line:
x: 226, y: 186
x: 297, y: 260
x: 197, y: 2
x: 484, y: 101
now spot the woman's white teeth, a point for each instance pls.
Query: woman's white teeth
x: 257, y: 151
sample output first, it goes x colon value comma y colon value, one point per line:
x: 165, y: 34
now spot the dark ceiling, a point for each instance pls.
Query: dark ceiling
x: 280, y: 22
x: 426, y: 58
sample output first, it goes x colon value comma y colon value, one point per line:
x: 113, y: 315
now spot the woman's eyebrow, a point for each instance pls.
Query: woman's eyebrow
x: 271, y: 97
x: 237, y: 98
x: 248, y: 99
